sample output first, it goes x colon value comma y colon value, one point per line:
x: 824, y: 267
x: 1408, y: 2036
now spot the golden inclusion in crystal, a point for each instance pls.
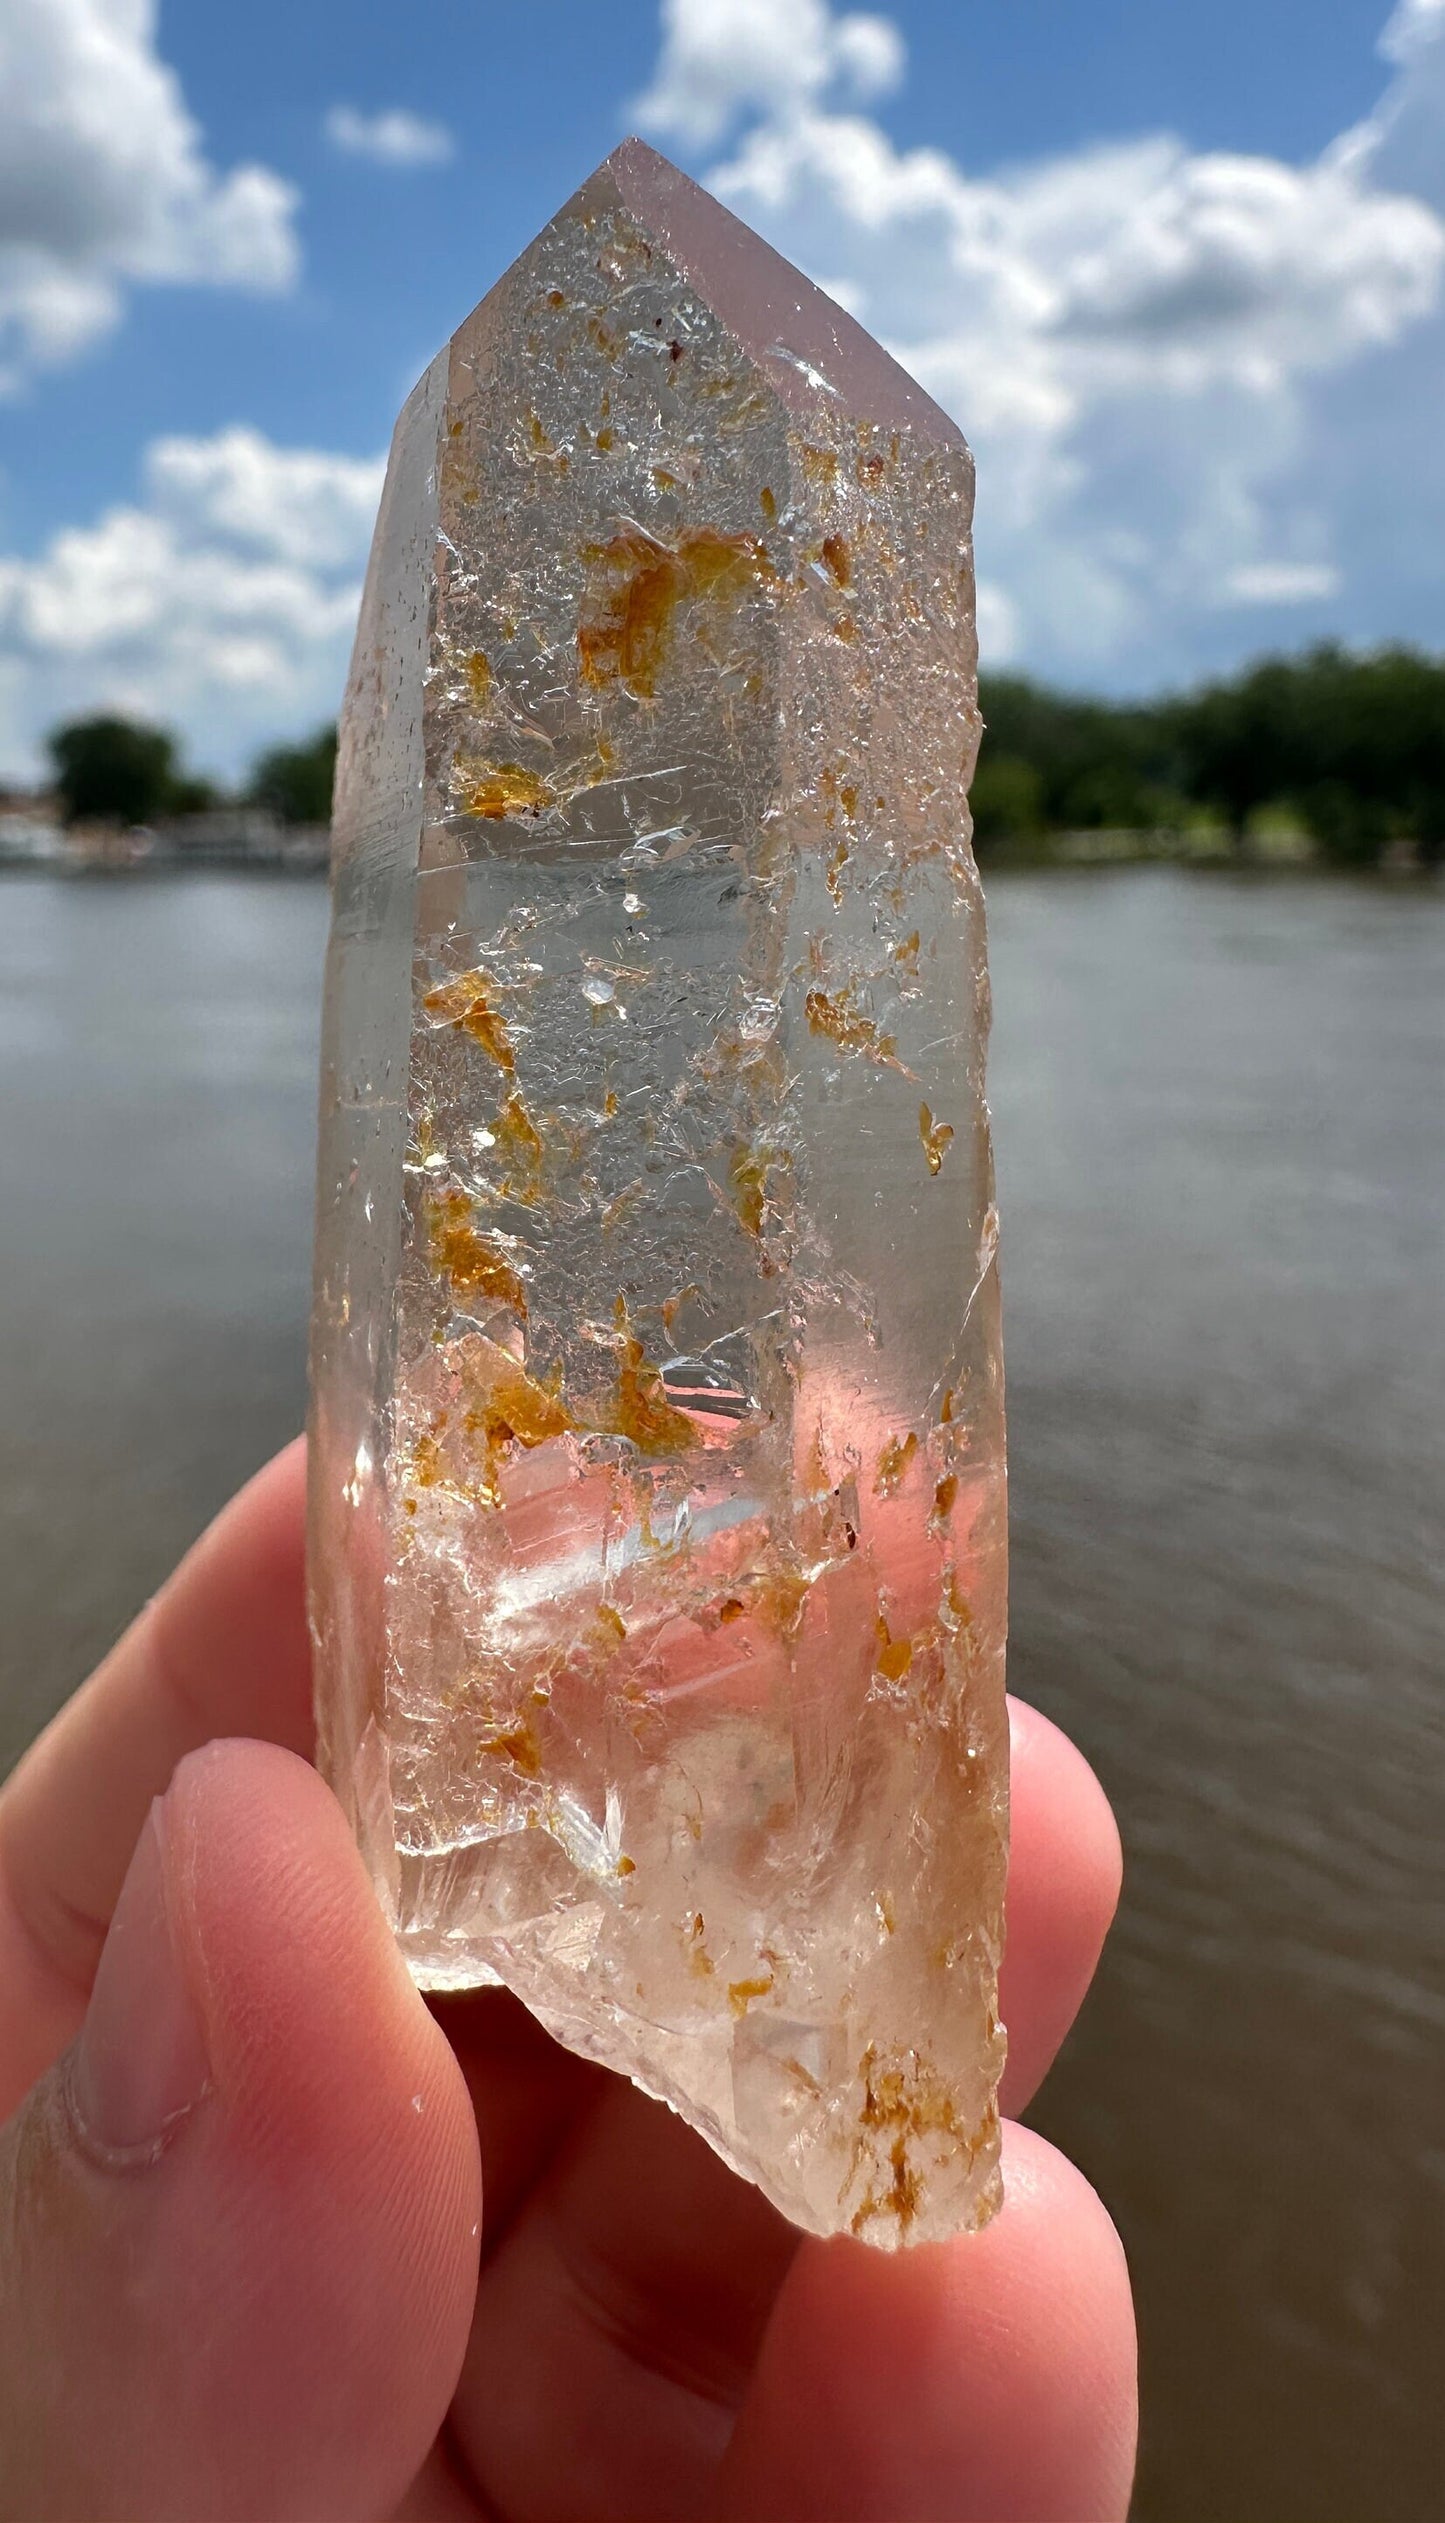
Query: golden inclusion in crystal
x: 657, y: 1468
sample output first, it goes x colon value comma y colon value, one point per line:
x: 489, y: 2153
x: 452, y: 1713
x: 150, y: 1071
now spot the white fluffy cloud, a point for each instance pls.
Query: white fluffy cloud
x: 1405, y: 136
x: 1412, y: 29
x: 720, y: 57
x: 1282, y: 582
x: 1138, y: 338
x: 222, y: 602
x: 104, y: 181
x: 1204, y: 389
x: 394, y: 137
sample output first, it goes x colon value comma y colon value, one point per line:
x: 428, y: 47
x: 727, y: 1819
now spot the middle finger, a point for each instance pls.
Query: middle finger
x: 634, y: 2276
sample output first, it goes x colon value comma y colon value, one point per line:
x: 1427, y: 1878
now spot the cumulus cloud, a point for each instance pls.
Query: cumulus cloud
x: 1120, y: 265
x: 1139, y: 338
x: 722, y: 57
x: 1403, y: 141
x: 104, y: 181
x: 1412, y: 30
x: 1204, y: 388
x: 1282, y: 582
x: 395, y: 137
x: 221, y: 602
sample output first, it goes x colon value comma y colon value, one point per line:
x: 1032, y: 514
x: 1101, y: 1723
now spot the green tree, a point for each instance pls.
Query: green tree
x: 295, y: 781
x: 191, y: 795
x: 1355, y: 744
x: 1007, y: 798
x: 111, y: 769
x: 1352, y: 746
x: 1236, y: 742
x: 1097, y: 763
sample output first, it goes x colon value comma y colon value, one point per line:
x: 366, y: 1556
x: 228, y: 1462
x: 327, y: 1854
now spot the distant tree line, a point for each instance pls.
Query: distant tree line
x: 112, y: 770
x: 1352, y: 747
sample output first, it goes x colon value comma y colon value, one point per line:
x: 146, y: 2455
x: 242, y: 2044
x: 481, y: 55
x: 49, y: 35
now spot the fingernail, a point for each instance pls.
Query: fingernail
x: 140, y: 2064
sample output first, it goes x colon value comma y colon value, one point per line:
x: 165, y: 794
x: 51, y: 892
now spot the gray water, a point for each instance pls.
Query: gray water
x: 1221, y: 1132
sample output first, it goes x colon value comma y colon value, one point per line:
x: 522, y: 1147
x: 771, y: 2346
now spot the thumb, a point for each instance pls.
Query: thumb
x: 241, y: 2216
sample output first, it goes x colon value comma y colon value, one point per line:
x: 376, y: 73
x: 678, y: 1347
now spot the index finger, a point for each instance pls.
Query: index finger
x: 221, y: 1650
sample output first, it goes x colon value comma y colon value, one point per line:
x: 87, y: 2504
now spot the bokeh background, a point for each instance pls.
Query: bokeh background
x: 1181, y: 275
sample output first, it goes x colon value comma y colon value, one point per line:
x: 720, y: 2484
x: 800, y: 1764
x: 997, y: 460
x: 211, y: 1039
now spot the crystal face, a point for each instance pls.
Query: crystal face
x: 657, y: 1469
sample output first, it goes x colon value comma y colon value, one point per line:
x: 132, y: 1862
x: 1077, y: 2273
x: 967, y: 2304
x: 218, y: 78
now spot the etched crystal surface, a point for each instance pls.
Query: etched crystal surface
x: 657, y: 1490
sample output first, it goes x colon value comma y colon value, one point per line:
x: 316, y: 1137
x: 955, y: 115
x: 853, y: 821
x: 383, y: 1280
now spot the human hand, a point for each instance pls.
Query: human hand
x: 247, y: 2273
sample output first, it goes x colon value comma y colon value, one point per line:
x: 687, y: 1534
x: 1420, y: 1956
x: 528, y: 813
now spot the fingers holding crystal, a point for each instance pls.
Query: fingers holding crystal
x: 527, y: 2093
x: 222, y: 1650
x: 987, y: 2380
x: 241, y: 2217
x: 618, y: 2326
x: 1065, y: 1868
x: 640, y: 2271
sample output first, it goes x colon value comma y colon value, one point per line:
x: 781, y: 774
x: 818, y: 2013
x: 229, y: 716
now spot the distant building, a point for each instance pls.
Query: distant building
x: 30, y: 828
x: 33, y: 833
x: 241, y: 836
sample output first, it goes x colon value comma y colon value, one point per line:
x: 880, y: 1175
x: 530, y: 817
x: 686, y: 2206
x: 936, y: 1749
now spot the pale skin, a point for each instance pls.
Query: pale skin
x: 283, y: 2244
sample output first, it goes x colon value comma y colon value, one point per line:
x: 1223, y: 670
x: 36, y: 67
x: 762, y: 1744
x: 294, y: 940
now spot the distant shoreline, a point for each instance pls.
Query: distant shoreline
x: 1287, y: 852
x: 1063, y: 853
x: 245, y: 838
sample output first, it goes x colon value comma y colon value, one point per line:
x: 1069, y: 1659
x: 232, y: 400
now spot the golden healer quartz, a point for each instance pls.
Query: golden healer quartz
x: 657, y: 1514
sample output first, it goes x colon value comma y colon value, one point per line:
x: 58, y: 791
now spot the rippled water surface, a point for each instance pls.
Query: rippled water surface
x: 1221, y: 1127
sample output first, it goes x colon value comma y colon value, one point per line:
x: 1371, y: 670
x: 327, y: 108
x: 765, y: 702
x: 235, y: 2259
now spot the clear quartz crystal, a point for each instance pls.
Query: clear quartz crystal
x: 658, y: 1533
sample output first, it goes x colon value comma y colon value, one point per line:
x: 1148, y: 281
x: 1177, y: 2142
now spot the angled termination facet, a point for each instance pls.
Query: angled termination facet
x: 658, y: 1477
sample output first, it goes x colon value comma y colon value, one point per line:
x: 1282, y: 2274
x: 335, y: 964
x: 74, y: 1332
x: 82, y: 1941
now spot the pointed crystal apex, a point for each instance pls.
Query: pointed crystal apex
x: 801, y: 337
x: 657, y: 1468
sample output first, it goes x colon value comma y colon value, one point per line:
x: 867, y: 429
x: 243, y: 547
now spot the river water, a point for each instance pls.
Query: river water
x: 1220, y: 1107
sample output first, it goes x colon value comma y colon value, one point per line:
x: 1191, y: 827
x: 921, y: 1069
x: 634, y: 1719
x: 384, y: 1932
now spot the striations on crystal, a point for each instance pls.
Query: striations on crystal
x: 657, y: 1521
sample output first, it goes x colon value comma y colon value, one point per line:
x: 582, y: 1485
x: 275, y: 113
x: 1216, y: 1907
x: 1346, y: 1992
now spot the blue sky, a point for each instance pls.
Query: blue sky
x: 1179, y: 271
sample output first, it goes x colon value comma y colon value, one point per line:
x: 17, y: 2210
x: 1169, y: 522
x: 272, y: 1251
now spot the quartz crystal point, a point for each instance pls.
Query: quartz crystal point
x: 657, y: 1471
